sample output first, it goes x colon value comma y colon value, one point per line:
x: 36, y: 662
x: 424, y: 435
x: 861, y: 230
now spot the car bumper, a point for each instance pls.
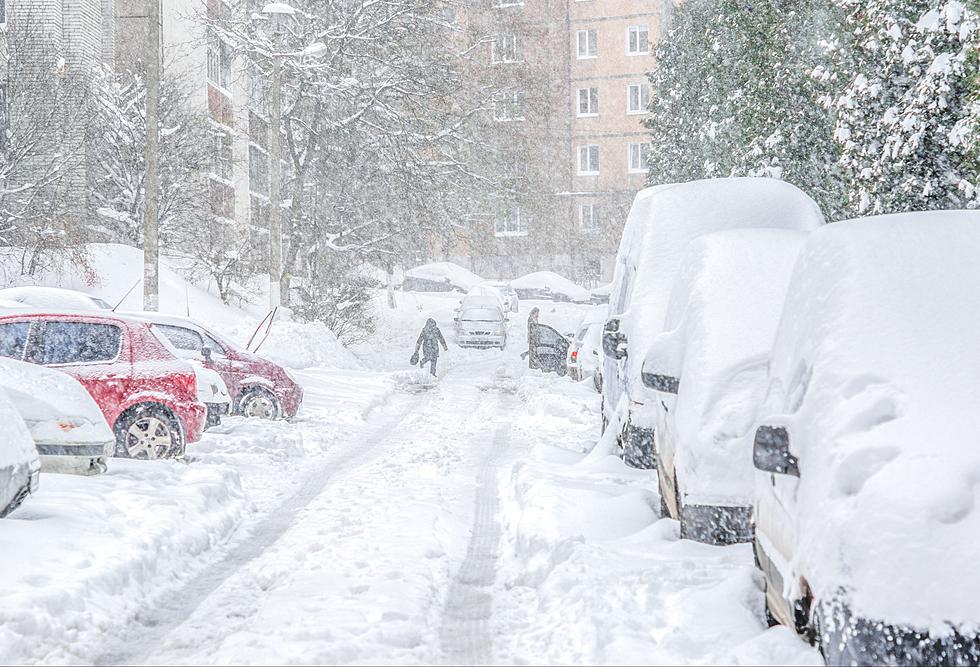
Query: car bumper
x: 75, y: 458
x: 846, y: 639
x: 481, y: 340
x: 193, y: 417
x: 291, y: 399
x: 215, y: 412
x: 714, y: 524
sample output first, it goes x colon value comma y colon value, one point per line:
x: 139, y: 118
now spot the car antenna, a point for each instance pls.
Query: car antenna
x: 126, y: 295
x: 268, y: 330
x: 256, y: 332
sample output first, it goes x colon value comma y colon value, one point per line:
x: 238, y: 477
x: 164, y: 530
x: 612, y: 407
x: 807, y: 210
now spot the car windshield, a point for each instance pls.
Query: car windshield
x: 481, y: 315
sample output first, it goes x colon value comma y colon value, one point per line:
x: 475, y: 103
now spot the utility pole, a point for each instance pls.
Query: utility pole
x: 275, y: 186
x: 151, y: 214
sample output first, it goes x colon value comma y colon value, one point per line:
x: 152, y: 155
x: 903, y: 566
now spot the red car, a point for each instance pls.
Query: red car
x: 258, y: 387
x: 147, y: 395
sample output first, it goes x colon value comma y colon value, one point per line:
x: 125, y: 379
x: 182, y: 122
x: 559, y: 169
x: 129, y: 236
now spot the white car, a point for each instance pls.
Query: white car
x: 481, y: 323
x: 20, y: 467
x: 212, y: 391
x: 585, y: 351
x: 661, y: 223
x: 709, y: 369
x: 549, y: 285
x: 67, y: 426
x: 867, y: 449
x: 53, y: 298
x: 512, y: 303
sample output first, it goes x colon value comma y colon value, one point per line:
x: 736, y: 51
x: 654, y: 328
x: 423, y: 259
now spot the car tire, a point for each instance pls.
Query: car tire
x: 149, y: 432
x: 259, y: 402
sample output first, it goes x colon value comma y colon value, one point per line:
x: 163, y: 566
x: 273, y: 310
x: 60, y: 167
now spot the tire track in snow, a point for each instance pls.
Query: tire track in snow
x: 465, y: 636
x: 180, y: 605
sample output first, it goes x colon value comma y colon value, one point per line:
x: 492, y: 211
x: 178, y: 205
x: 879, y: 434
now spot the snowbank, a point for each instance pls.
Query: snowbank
x: 874, y: 375
x: 549, y: 285
x: 298, y: 345
x: 440, y: 277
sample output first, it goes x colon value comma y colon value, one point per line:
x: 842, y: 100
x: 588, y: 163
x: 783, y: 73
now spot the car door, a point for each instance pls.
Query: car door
x: 551, y: 348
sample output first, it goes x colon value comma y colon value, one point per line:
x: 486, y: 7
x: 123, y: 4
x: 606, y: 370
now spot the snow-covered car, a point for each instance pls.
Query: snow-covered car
x: 585, y: 350
x: 68, y: 429
x: 212, y: 391
x: 710, y: 370
x: 661, y: 223
x: 440, y: 277
x: 53, y: 298
x: 20, y: 467
x: 549, y: 286
x: 487, y: 291
x: 601, y: 294
x: 512, y: 302
x: 481, y: 323
x: 867, y: 443
x: 257, y: 386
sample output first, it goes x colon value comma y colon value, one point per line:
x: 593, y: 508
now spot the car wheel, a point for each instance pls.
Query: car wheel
x: 562, y: 370
x: 147, y: 433
x: 260, y: 403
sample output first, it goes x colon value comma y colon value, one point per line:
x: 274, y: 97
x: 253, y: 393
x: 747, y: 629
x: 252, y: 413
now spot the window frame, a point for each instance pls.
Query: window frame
x: 595, y: 218
x: 520, y: 228
x: 643, y: 108
x: 506, y: 103
x: 588, y: 153
x: 591, y: 100
x: 642, y: 169
x: 498, y: 55
x: 590, y: 53
x: 637, y: 28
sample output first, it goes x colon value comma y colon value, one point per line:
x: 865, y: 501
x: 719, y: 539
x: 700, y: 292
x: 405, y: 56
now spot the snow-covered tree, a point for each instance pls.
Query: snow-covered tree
x: 907, y: 116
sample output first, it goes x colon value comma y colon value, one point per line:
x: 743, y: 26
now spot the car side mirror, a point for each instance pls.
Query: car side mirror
x: 663, y: 383
x: 614, y: 344
x: 770, y: 452
x: 207, y: 353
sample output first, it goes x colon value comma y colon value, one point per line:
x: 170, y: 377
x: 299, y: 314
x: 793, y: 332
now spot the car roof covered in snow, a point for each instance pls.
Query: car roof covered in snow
x: 664, y: 219
x: 721, y: 323
x: 52, y: 297
x: 874, y: 373
x: 472, y: 301
x: 549, y: 280
x: 446, y: 272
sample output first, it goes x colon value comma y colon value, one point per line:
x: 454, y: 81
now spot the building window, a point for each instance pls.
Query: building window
x: 588, y: 160
x: 219, y: 61
x: 588, y: 43
x: 588, y: 102
x: 638, y: 43
x: 506, y: 49
x: 510, y: 222
x: 508, y: 106
x: 638, y: 155
x: 637, y: 98
x: 221, y: 156
x: 258, y: 170
x: 257, y: 89
x: 588, y: 218
x: 3, y: 11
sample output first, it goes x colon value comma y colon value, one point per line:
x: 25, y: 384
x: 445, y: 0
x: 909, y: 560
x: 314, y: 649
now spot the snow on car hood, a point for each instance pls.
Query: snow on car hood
x: 55, y: 407
x: 875, y: 373
x: 722, y: 319
x: 661, y: 223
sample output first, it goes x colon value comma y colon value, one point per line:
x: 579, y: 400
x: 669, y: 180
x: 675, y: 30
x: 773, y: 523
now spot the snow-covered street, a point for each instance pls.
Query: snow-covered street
x: 395, y: 520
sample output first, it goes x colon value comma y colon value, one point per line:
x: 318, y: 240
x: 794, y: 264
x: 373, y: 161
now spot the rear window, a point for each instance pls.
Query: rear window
x: 181, y: 338
x: 481, y: 315
x: 78, y: 343
x: 13, y: 339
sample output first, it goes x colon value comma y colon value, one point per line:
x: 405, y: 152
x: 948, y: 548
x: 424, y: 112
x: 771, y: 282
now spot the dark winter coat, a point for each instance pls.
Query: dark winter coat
x: 430, y: 339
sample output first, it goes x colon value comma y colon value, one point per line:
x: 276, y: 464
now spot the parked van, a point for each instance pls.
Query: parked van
x: 661, y: 223
x: 867, y: 443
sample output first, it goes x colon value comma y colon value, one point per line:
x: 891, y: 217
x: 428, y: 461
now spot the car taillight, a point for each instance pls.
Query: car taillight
x: 574, y: 355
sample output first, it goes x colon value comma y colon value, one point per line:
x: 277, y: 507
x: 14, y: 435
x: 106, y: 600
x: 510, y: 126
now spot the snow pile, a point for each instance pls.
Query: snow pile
x: 52, y: 298
x: 87, y: 553
x: 591, y: 575
x: 297, y: 345
x: 661, y: 223
x: 874, y: 372
x: 549, y: 285
x: 721, y: 322
x: 440, y: 277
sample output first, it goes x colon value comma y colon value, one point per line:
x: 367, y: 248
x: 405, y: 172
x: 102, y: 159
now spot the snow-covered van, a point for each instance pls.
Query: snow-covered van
x: 710, y: 370
x: 481, y: 322
x: 662, y: 221
x: 20, y: 467
x: 66, y: 424
x: 868, y: 443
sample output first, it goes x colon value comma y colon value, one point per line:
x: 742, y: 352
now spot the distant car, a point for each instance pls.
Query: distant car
x: 440, y: 277
x: 147, y: 395
x: 708, y: 370
x: 487, y: 291
x: 68, y: 429
x: 549, y: 286
x: 512, y: 302
x: 481, y: 323
x: 257, y: 386
x: 866, y: 447
x: 585, y: 350
x: 53, y: 298
x: 20, y: 466
x: 662, y: 222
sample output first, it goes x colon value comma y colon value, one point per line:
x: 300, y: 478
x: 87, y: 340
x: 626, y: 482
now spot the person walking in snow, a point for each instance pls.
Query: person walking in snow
x: 429, y: 340
x: 532, y: 346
